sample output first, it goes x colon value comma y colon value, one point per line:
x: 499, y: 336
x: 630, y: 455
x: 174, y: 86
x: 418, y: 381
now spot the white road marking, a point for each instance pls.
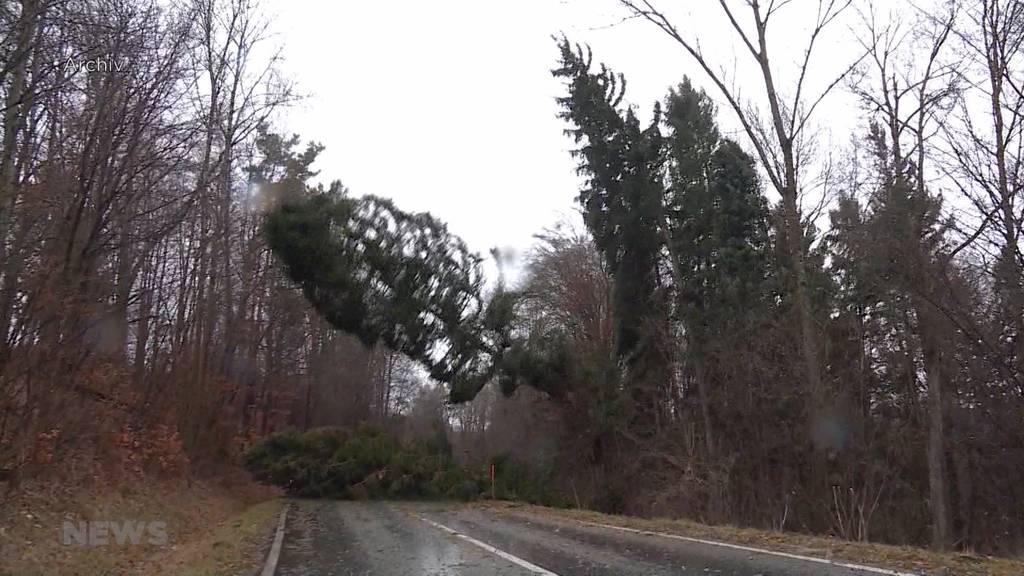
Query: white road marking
x: 871, y: 569
x: 513, y: 559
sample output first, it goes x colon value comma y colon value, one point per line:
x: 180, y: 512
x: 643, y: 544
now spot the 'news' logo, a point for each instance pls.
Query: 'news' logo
x: 107, y: 532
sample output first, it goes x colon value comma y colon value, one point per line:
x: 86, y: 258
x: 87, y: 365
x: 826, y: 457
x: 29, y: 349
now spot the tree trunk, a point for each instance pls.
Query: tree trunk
x: 802, y: 301
x: 700, y: 374
x: 938, y: 489
x: 694, y: 350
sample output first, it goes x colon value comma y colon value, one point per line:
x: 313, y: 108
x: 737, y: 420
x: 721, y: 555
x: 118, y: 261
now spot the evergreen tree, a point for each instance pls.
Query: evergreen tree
x: 717, y: 216
x: 687, y: 202
x: 391, y: 277
x: 623, y: 163
x: 717, y: 222
x: 889, y: 259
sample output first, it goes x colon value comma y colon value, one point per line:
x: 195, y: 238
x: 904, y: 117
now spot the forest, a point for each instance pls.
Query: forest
x: 755, y: 327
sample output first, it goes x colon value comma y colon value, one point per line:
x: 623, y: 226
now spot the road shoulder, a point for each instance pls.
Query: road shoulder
x: 901, y: 558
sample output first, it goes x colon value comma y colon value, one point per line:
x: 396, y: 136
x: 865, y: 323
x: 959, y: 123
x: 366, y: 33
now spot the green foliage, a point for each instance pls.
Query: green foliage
x: 281, y: 167
x: 622, y: 199
x: 366, y: 462
x: 538, y: 360
x: 516, y: 480
x: 623, y: 163
x: 391, y: 277
x: 718, y: 218
x: 387, y: 276
x: 686, y: 201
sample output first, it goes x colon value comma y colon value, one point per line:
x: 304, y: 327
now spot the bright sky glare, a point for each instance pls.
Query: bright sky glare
x: 449, y: 106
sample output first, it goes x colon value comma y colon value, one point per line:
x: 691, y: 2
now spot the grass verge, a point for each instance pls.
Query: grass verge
x: 213, y: 529
x: 905, y: 558
x: 231, y: 548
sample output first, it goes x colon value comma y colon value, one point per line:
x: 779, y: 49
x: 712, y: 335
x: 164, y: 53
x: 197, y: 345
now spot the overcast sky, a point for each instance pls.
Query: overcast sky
x: 449, y: 106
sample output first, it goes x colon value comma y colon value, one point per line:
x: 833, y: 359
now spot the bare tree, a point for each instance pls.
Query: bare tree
x: 910, y: 98
x: 985, y: 142
x: 21, y: 28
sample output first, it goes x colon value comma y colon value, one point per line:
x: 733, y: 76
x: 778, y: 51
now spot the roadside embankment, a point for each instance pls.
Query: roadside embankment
x: 169, y: 527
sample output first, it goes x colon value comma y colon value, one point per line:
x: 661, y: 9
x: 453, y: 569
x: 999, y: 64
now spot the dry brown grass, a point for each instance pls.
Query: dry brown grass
x: 230, y: 548
x: 894, y: 557
x: 213, y: 528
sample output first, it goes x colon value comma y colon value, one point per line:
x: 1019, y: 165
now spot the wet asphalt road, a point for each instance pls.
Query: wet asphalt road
x: 390, y: 539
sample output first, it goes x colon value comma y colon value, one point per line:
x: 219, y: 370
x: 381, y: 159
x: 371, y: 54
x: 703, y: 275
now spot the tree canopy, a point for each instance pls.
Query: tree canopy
x: 391, y: 277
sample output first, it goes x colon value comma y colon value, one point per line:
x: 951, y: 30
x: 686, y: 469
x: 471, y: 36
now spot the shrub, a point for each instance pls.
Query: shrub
x: 516, y: 480
x: 368, y: 462
x: 364, y: 462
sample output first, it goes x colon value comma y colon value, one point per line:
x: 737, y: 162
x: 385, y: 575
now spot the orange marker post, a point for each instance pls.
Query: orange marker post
x: 491, y: 471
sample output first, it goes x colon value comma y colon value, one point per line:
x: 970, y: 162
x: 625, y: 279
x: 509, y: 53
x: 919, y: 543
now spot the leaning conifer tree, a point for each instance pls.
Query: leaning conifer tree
x: 623, y: 163
x: 395, y: 278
